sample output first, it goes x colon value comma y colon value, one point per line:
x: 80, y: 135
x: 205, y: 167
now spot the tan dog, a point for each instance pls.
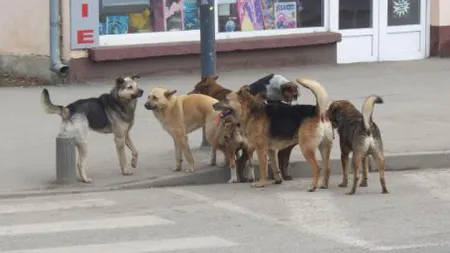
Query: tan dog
x: 272, y: 127
x: 229, y: 138
x: 360, y: 135
x: 181, y: 115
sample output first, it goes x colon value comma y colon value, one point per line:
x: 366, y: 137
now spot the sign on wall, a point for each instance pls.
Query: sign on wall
x: 84, y: 24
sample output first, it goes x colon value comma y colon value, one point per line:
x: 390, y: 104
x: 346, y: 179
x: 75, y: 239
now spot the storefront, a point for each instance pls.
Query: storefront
x: 254, y: 32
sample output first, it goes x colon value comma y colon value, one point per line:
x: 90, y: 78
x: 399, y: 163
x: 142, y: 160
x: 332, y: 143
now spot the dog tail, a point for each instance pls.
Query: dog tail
x: 367, y: 109
x: 50, y: 108
x: 319, y: 92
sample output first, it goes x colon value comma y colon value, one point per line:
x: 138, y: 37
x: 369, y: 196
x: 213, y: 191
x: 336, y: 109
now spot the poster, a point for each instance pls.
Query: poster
x: 250, y: 15
x: 285, y: 15
x: 116, y: 24
x: 268, y: 14
x: 191, y: 15
x: 173, y: 15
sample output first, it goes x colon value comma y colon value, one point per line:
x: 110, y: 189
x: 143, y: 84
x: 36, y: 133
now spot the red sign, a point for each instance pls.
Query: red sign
x: 84, y: 10
x: 85, y: 36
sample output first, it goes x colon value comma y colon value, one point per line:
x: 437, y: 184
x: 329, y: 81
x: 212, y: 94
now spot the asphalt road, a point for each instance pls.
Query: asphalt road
x: 237, y: 218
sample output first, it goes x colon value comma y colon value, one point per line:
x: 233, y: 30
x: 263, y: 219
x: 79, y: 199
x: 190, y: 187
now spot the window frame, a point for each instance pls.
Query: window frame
x: 194, y: 35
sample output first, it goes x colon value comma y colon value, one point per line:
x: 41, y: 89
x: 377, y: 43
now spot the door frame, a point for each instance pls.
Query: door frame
x: 385, y: 31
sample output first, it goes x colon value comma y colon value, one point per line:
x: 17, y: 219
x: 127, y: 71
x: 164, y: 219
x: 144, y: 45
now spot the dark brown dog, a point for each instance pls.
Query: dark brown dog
x: 209, y: 86
x: 360, y: 135
x: 272, y: 127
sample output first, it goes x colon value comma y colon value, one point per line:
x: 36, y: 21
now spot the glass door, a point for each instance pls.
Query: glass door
x: 357, y: 21
x: 402, y: 29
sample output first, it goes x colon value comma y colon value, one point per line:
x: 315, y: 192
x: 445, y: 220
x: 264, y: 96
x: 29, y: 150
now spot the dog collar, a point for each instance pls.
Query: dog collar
x: 222, y: 115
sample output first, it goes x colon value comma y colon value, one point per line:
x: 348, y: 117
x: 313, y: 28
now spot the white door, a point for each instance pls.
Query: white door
x: 402, y: 30
x: 357, y: 21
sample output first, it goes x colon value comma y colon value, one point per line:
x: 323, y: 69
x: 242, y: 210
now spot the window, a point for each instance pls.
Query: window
x: 355, y: 14
x: 144, y: 16
x: 256, y: 15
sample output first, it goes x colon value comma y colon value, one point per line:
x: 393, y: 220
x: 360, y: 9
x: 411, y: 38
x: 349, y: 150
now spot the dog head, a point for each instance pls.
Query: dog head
x: 127, y: 89
x: 159, y: 98
x: 204, y: 85
x: 290, y: 91
x: 242, y: 103
x: 339, y: 109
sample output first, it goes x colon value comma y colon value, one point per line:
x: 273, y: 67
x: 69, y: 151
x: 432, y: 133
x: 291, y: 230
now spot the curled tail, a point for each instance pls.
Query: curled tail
x: 367, y: 109
x: 50, y: 108
x: 319, y: 92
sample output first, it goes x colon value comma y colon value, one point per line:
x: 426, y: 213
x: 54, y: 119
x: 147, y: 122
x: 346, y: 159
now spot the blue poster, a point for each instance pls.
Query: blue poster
x: 117, y: 24
x: 191, y: 19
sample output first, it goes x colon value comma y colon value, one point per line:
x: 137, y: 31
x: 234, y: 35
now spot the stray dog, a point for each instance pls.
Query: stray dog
x: 181, y: 115
x: 360, y: 135
x: 230, y: 138
x: 209, y: 86
x: 272, y: 127
x: 109, y: 113
x: 275, y: 88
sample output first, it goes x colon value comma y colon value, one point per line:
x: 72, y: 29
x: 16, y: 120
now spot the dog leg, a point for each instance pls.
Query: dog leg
x: 365, y: 171
x: 325, y: 150
x: 213, y: 155
x: 344, y: 162
x: 310, y: 156
x: 250, y: 169
x: 381, y: 169
x: 178, y: 158
x: 262, y: 159
x: 134, y: 153
x: 82, y: 161
x: 283, y: 161
x: 233, y: 170
x: 120, y: 147
x: 273, y: 156
x: 184, y: 145
x: 356, y: 161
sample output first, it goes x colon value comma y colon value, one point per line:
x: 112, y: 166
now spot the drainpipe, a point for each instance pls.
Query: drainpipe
x: 55, y: 30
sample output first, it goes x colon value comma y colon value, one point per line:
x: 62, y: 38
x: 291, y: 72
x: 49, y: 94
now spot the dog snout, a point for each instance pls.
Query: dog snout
x: 149, y: 106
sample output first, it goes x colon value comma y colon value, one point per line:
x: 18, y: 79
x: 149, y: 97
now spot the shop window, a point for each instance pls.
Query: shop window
x: 256, y: 15
x: 144, y: 16
x: 355, y: 14
x: 403, y: 12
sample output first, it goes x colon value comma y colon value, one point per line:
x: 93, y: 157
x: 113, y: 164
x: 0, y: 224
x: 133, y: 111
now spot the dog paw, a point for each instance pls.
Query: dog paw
x: 190, y: 170
x: 278, y: 181
x: 233, y: 181
x: 312, y: 188
x: 287, y: 178
x: 134, y: 161
x: 385, y: 191
x: 127, y: 173
x: 177, y: 169
x: 323, y: 186
x: 87, y: 180
x: 363, y: 184
x: 343, y: 184
x: 258, y: 184
x: 350, y: 193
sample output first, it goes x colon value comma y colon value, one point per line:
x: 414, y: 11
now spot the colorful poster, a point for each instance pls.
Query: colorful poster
x: 286, y: 15
x: 228, y: 18
x: 250, y: 15
x: 268, y: 14
x: 140, y: 22
x: 173, y: 15
x: 191, y: 15
x: 116, y: 24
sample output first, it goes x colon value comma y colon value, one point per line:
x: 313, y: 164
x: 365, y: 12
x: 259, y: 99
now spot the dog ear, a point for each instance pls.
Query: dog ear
x: 216, y: 77
x: 135, y: 77
x: 120, y: 81
x: 169, y: 93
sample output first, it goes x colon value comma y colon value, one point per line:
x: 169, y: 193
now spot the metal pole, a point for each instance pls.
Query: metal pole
x: 65, y: 158
x: 207, y: 44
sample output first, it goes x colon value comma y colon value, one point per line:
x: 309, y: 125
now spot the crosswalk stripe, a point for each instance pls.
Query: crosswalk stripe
x: 193, y: 243
x: 54, y: 205
x: 111, y: 223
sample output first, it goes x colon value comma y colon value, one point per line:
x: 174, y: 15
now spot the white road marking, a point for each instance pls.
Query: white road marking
x: 409, y: 246
x: 54, y: 205
x: 318, y: 215
x: 194, y: 243
x: 111, y: 223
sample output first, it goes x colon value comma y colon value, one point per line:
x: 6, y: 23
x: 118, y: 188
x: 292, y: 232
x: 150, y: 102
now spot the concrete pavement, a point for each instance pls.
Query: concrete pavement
x: 414, y: 121
x: 223, y: 218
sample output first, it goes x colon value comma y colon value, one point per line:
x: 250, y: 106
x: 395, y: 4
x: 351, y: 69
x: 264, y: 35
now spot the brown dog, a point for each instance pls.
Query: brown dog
x: 360, y: 135
x: 270, y: 128
x: 229, y: 138
x: 209, y: 86
x: 181, y: 115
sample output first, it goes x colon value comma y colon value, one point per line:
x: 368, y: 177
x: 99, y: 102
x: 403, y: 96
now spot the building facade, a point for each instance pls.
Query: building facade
x: 103, y: 38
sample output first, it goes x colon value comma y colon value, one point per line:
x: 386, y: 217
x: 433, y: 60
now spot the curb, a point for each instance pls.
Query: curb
x: 217, y: 175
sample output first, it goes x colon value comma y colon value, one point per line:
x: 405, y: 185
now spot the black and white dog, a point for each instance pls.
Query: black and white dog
x: 275, y: 88
x: 109, y: 113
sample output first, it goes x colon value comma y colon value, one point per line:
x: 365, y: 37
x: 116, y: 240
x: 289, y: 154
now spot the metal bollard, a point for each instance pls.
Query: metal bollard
x: 66, y: 161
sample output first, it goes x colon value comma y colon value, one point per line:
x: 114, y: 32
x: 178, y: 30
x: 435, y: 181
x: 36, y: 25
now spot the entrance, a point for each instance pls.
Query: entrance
x: 379, y: 30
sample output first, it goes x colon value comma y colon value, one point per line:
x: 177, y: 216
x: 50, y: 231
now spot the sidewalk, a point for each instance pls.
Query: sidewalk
x: 414, y: 121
